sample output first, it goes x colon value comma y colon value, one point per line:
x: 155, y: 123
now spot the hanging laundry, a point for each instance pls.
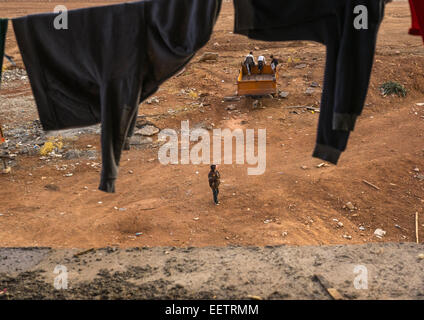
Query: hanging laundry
x: 109, y: 60
x: 417, y: 15
x: 350, y: 42
x: 3, y: 31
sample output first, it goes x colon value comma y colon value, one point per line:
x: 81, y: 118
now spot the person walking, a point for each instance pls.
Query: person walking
x: 214, y: 181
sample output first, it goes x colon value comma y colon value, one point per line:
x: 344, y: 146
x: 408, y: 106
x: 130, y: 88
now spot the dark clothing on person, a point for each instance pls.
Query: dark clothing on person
x: 260, y: 66
x: 350, y: 54
x: 3, y: 31
x: 214, y: 181
x: 249, y: 63
x: 274, y: 64
x: 215, y: 193
x: 109, y: 60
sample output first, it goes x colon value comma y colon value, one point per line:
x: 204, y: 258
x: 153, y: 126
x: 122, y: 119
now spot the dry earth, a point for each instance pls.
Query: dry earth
x: 294, y: 202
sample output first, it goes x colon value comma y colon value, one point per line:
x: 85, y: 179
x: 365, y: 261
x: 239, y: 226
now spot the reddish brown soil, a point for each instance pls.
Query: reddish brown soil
x: 163, y: 201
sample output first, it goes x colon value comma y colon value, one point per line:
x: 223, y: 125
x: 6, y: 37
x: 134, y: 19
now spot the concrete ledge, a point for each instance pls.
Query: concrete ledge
x: 394, y: 272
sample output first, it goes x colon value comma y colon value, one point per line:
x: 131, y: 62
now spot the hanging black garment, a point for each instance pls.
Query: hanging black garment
x: 350, y: 53
x: 109, y: 60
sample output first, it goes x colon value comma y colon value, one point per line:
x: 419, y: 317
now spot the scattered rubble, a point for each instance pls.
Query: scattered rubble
x: 232, y: 98
x: 349, y: 205
x: 309, y: 91
x: 209, y: 56
x: 147, y: 130
x: 256, y: 104
x: 14, y: 75
x: 231, y: 107
x: 420, y: 177
x: 138, y: 140
x: 379, y: 233
x: 153, y: 100
x: 283, y: 94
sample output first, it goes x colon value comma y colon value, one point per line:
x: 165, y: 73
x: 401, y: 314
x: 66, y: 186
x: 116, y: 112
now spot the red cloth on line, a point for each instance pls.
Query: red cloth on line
x: 417, y: 14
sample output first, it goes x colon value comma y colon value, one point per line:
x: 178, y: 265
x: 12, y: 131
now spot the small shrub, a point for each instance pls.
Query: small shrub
x: 391, y: 88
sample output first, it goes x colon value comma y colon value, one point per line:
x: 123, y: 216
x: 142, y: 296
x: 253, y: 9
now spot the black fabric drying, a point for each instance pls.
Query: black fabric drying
x: 3, y: 31
x: 350, y: 54
x: 109, y: 60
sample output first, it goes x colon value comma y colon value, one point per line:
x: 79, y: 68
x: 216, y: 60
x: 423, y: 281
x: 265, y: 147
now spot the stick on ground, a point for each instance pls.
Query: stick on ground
x: 370, y: 184
x: 331, y: 291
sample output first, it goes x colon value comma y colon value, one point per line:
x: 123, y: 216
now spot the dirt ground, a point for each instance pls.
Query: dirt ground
x: 293, y: 203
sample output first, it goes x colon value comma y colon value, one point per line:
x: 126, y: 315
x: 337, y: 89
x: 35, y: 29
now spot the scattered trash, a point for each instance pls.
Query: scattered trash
x: 347, y: 237
x: 322, y: 165
x: 147, y: 130
x: 283, y: 94
x: 51, y: 146
x: 153, y: 100
x: 379, y: 233
x: 350, y: 206
x: 419, y: 177
x: 6, y: 170
x: 139, y: 234
x: 309, y: 91
x: 300, y: 66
